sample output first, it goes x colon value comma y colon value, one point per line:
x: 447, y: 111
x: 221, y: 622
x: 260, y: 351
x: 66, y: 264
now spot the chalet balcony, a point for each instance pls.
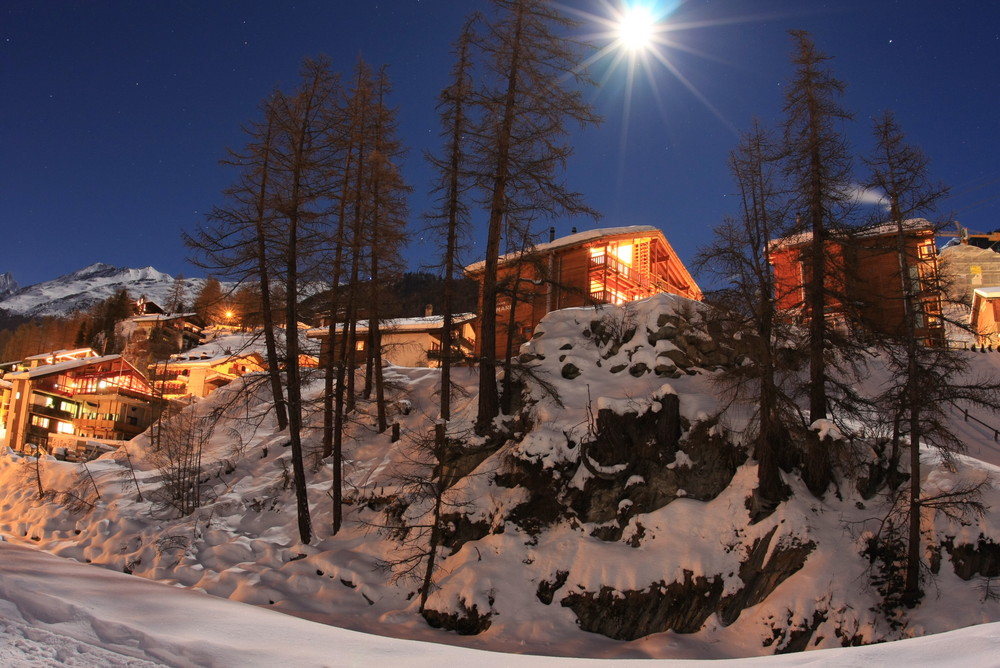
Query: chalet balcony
x: 38, y: 434
x: 628, y: 293
x: 52, y: 412
x: 604, y: 262
x: 107, y: 428
x: 629, y: 284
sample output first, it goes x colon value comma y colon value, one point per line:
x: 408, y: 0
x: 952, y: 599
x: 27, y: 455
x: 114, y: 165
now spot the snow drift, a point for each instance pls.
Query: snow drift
x: 611, y: 521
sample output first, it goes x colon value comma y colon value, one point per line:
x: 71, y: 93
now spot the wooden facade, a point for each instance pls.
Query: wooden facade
x: 985, y: 319
x: 99, y: 397
x: 865, y: 285
x: 604, y: 266
x: 199, y: 374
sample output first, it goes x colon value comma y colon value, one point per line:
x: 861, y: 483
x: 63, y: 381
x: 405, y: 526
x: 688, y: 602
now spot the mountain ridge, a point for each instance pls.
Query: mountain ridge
x: 83, y: 288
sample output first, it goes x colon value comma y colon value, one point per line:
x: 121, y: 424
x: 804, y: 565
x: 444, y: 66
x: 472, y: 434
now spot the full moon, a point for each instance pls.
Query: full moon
x: 636, y: 28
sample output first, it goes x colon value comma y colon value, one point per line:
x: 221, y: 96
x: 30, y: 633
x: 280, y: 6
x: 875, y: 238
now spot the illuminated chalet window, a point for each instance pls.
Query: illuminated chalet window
x: 619, y: 272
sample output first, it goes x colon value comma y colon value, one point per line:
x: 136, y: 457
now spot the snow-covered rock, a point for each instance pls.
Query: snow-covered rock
x: 7, y: 284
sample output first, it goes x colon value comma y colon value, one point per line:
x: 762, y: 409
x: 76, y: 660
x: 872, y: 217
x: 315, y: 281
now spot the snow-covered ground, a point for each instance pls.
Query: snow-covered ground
x: 242, y: 544
x: 56, y: 612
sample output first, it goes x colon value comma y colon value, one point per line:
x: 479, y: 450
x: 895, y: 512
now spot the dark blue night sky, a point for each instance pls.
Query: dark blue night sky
x: 114, y: 114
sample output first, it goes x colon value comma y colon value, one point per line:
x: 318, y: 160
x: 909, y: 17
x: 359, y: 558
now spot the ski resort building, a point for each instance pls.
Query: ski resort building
x: 73, y: 399
x: 866, y: 288
x: 198, y: 374
x: 605, y: 266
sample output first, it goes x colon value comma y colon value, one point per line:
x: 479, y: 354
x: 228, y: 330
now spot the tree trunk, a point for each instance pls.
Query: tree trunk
x: 489, y: 400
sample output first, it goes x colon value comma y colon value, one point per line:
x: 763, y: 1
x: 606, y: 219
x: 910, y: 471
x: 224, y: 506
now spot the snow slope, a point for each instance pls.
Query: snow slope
x: 242, y: 543
x: 56, y: 612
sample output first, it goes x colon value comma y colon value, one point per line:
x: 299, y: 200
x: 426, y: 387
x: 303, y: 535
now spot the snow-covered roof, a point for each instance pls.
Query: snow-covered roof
x: 162, y: 317
x: 209, y: 359
x: 988, y: 293
x: 881, y: 230
x: 575, y: 240
x: 231, y: 346
x: 75, y: 353
x: 416, y: 324
x: 221, y: 349
x: 61, y: 367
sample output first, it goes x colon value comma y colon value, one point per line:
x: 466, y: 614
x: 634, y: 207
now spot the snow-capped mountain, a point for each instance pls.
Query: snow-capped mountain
x: 7, y: 284
x: 86, y: 287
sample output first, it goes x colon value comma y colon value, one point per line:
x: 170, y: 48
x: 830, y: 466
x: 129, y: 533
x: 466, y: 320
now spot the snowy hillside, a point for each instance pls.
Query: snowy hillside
x: 612, y: 523
x: 86, y: 287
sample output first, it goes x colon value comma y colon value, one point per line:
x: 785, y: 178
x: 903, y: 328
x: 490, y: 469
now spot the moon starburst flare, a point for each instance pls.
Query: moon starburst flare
x: 636, y: 28
x: 641, y: 37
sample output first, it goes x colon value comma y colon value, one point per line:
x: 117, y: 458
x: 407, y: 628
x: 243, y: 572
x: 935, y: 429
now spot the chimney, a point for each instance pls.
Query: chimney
x: 429, y: 310
x: 552, y: 234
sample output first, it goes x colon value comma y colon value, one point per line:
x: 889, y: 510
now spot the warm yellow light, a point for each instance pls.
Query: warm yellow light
x: 624, y: 254
x: 229, y: 314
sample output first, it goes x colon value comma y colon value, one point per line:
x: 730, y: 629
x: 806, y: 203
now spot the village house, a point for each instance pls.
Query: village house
x: 199, y: 372
x: 603, y: 266
x: 985, y: 317
x: 968, y: 267
x: 865, y: 284
x: 159, y: 334
x: 223, y: 358
x: 76, y: 396
x: 411, y: 342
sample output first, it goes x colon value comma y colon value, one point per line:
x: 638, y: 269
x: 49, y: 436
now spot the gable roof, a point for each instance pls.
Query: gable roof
x: 66, y: 353
x: 912, y: 225
x: 63, y: 367
x: 577, y: 239
x: 209, y: 359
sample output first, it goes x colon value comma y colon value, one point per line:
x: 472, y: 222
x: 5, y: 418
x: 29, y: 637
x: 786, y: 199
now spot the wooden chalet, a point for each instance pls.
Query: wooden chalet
x: 603, y: 266
x: 412, y: 342
x: 163, y: 332
x: 866, y: 287
x: 985, y: 318
x: 96, y: 397
x: 198, y: 373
